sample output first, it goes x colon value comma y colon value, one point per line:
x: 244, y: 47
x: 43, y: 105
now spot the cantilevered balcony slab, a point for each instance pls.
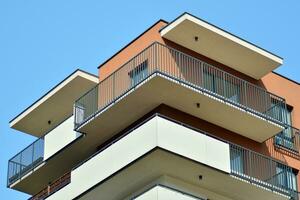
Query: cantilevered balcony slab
x: 213, y: 42
x: 159, y: 146
x: 183, y: 174
x: 163, y: 75
x: 160, y: 89
x: 55, y: 106
x: 41, y: 162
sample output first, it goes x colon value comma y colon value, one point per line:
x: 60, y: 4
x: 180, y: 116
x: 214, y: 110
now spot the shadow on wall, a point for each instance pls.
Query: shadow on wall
x: 267, y: 148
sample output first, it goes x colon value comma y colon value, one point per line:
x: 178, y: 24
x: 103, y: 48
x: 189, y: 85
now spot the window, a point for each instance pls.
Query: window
x: 286, y: 137
x: 237, y: 165
x: 211, y: 81
x: 232, y: 91
x: 139, y: 73
x: 285, y: 177
x: 214, y: 83
x: 277, y: 110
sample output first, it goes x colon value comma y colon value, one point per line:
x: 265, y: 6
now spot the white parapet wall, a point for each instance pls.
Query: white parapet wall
x: 194, y: 145
x: 157, y: 132
x: 59, y: 137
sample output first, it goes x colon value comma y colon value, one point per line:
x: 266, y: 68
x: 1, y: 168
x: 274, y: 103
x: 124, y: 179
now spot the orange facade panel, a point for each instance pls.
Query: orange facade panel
x: 140, y: 43
x: 288, y: 89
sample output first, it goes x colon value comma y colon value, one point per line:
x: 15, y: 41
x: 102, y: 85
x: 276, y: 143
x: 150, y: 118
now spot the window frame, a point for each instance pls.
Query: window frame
x: 139, y: 73
x: 211, y: 82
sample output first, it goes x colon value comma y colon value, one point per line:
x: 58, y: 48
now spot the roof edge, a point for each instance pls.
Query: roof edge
x: 51, y: 89
x: 289, y: 79
x: 217, y: 27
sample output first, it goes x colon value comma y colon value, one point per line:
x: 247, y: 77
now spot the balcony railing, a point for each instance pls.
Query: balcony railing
x: 288, y: 139
x: 29, y: 158
x: 171, y: 63
x: 53, y: 187
x: 25, y: 161
x: 262, y: 170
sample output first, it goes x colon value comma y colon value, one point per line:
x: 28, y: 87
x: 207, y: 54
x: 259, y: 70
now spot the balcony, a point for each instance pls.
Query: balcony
x: 288, y: 139
x: 163, y: 140
x: 160, y: 74
x: 25, y: 168
x: 262, y: 170
x: 53, y: 187
x: 25, y: 161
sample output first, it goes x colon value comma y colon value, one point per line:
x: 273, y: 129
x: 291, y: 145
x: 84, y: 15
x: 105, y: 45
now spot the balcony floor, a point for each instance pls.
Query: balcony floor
x: 159, y: 89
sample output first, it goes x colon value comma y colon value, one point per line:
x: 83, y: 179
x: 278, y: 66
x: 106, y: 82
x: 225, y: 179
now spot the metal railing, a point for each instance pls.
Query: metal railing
x: 169, y: 62
x: 29, y: 158
x: 288, y: 139
x: 262, y: 170
x: 25, y: 161
x: 53, y: 187
x: 296, y: 195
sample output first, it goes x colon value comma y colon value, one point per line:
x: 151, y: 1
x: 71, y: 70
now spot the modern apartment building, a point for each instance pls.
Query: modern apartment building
x: 184, y: 111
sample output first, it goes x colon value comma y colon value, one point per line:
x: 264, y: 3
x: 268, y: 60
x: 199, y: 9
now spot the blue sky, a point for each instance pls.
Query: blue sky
x: 41, y: 42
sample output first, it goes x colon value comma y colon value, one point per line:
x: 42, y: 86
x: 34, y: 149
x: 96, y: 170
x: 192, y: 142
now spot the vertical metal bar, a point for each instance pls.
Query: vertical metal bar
x: 297, y: 140
x: 7, y: 175
x: 285, y: 112
x: 245, y: 95
x: 114, y: 95
x: 224, y: 88
x: 250, y: 167
x: 202, y: 75
x: 32, y: 155
x: 271, y: 175
x: 266, y: 105
x: 180, y: 66
x: 20, y: 164
x: 155, y: 55
x: 296, y: 194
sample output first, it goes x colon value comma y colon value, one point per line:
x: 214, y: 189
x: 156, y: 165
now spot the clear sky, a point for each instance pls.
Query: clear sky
x: 41, y: 42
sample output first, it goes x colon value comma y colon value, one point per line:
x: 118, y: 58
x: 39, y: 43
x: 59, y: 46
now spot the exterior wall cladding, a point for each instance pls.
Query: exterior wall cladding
x: 272, y: 82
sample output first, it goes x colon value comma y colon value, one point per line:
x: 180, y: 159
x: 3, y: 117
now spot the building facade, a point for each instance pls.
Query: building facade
x: 184, y: 111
